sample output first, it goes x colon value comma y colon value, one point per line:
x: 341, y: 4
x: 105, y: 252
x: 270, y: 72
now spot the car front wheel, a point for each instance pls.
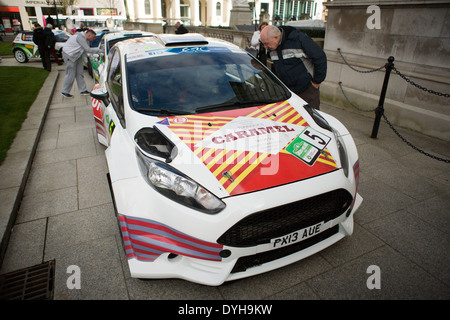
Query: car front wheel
x: 20, y: 56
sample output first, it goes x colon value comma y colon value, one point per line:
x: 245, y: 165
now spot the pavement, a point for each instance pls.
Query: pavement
x: 55, y: 204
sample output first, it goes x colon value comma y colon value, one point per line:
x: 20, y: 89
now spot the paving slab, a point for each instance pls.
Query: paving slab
x: 17, y: 165
x: 400, y: 279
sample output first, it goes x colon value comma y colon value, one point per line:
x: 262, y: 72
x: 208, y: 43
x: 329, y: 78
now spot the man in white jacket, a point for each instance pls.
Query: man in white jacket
x: 73, y: 51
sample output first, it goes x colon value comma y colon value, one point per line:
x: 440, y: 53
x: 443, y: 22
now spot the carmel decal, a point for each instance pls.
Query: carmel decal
x: 252, y: 134
x: 255, y: 148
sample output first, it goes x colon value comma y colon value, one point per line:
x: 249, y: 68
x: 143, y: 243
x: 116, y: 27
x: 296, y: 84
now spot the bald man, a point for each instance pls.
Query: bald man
x: 299, y: 62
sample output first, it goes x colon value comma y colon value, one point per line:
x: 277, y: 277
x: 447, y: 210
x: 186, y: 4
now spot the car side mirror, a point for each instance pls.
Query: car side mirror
x: 102, y: 95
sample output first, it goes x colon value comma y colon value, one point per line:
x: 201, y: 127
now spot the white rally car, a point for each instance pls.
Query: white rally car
x: 96, y: 61
x: 217, y: 170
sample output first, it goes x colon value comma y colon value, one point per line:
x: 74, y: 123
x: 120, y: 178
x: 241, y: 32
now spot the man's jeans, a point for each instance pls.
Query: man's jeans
x: 311, y: 96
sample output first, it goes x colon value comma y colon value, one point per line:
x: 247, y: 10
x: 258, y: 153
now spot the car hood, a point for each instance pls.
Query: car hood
x: 255, y: 148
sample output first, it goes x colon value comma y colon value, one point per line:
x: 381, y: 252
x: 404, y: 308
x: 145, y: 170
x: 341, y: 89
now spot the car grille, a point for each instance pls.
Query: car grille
x: 260, y: 227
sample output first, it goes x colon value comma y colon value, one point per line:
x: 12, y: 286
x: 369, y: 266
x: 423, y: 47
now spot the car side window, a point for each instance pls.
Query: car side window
x: 114, y: 85
x: 102, y: 50
x: 27, y: 36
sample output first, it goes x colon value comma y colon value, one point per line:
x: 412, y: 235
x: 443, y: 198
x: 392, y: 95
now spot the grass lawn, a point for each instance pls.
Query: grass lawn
x: 19, y: 87
x: 5, y: 49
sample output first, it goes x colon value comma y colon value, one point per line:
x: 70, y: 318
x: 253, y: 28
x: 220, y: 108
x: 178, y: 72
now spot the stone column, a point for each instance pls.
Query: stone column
x: 241, y: 13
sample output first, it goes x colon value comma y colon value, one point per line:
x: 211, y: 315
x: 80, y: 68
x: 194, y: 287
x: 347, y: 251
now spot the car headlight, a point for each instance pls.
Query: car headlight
x: 342, y: 151
x: 177, y: 186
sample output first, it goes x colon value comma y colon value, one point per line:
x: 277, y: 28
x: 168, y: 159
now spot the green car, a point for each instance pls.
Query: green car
x: 24, y: 48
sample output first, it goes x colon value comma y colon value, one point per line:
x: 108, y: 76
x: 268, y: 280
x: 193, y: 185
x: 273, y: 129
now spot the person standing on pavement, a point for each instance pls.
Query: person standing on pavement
x: 73, y: 51
x: 50, y: 20
x: 49, y: 44
x: 180, y: 28
x: 51, y: 40
x: 261, y: 53
x: 40, y: 36
x: 299, y: 62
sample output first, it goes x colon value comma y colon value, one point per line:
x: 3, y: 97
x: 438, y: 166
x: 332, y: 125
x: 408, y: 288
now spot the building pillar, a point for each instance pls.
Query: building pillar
x: 195, y: 13
x: 241, y: 13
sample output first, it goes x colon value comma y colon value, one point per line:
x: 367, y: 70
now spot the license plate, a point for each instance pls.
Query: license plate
x: 297, y: 236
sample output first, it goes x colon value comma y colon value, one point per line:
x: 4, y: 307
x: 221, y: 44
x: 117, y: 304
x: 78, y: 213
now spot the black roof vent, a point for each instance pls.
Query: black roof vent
x: 171, y: 40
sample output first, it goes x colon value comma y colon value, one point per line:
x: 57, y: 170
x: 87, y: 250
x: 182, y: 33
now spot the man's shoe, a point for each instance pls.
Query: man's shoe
x: 85, y: 93
x: 67, y: 95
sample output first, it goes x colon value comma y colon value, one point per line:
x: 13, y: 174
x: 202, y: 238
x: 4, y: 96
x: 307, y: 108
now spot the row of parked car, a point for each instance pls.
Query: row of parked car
x: 24, y: 48
x: 217, y: 170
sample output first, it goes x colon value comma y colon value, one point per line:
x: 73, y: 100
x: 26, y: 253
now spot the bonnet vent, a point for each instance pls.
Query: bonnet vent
x: 182, y: 39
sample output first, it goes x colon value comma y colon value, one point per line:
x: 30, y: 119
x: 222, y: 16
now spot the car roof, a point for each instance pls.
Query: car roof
x: 159, y: 42
x: 124, y: 34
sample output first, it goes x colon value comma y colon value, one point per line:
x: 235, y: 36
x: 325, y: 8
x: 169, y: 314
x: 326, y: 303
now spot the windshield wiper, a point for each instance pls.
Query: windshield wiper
x: 163, y: 111
x: 235, y: 104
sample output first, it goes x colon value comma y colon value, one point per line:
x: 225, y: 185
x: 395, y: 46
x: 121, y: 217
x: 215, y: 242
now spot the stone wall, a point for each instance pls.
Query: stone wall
x: 239, y: 38
x: 417, y: 35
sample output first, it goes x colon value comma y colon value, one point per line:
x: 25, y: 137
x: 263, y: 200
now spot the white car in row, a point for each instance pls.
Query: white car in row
x: 97, y: 61
x: 24, y: 48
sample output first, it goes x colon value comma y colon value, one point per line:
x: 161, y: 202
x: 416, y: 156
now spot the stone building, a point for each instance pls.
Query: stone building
x: 416, y: 34
x: 21, y: 14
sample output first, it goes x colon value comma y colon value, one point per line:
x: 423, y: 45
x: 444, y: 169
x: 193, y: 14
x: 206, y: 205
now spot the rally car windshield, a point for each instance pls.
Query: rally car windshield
x: 200, y: 82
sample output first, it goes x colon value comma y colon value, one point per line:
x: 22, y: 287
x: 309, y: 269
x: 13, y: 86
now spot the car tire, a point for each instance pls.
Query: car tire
x: 20, y: 56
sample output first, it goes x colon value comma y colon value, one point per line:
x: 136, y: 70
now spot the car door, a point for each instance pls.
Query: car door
x: 27, y: 38
x: 114, y: 113
x: 107, y: 101
x: 98, y: 61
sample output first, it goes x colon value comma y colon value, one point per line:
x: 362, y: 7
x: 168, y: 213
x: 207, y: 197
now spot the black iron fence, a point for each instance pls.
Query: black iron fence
x: 379, y: 110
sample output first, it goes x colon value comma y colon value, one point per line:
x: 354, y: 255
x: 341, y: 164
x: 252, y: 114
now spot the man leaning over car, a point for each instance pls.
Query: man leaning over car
x: 299, y: 62
x: 73, y: 51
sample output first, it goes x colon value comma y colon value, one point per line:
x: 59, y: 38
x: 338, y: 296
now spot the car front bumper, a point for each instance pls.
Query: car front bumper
x: 163, y: 239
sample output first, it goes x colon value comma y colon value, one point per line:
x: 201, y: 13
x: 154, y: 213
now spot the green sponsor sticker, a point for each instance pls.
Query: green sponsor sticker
x: 303, y: 150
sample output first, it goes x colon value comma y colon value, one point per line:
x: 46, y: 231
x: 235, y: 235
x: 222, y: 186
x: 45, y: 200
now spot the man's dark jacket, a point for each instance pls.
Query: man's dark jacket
x: 181, y: 30
x: 49, y: 38
x: 44, y: 38
x: 296, y: 53
x: 39, y: 37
